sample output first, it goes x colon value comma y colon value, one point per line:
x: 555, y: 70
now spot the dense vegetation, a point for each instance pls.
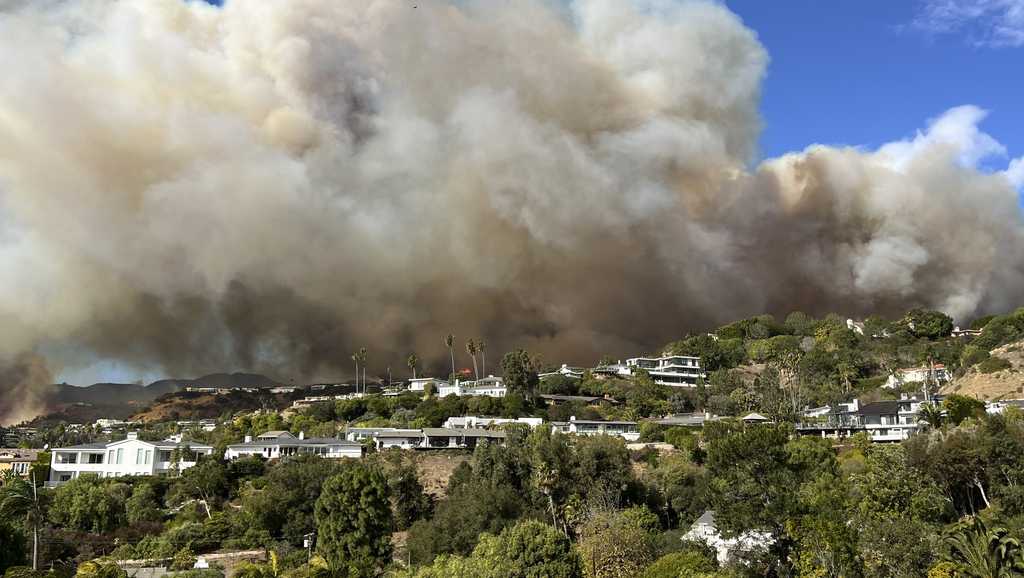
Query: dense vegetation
x: 947, y: 502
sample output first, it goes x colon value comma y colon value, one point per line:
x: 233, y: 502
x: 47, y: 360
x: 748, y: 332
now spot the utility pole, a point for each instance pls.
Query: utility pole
x: 308, y: 541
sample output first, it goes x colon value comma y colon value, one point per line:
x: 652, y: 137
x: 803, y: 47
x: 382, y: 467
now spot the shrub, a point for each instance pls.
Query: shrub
x: 994, y: 364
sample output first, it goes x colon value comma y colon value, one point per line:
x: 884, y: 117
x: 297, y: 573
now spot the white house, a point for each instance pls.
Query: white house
x: 280, y: 444
x: 672, y: 370
x: 705, y: 530
x: 567, y: 371
x: 426, y: 438
x: 628, y: 430
x: 891, y: 420
x: 489, y: 386
x: 471, y: 421
x: 934, y: 374
x: 421, y: 383
x: 128, y: 457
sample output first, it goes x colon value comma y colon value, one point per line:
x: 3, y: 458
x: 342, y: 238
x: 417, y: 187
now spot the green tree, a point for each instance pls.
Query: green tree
x: 519, y: 373
x: 409, y: 501
x: 143, y: 505
x: 12, y: 546
x: 931, y: 415
x: 979, y: 552
x: 89, y: 504
x: 207, y: 482
x: 678, y: 564
x: 928, y: 324
x: 353, y: 517
x: 19, y: 498
x: 530, y: 549
x: 960, y: 407
x: 100, y: 568
x: 614, y: 544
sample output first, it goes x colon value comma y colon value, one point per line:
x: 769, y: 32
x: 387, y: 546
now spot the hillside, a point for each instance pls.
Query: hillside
x: 185, y: 405
x: 74, y: 404
x: 994, y: 379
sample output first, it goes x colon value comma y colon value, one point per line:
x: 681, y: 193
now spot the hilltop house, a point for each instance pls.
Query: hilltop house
x: 128, y: 457
x: 565, y: 370
x: 627, y: 430
x: 935, y: 374
x: 472, y: 421
x: 274, y: 445
x: 489, y: 386
x: 17, y: 460
x: 426, y: 438
x: 673, y: 370
x: 705, y: 530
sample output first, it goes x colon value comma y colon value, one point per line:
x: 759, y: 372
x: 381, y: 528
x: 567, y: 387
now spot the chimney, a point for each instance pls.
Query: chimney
x: 302, y: 435
x: 248, y: 439
x: 572, y: 418
x: 133, y: 435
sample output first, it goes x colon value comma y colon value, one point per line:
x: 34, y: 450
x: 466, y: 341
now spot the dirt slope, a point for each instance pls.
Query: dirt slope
x: 1003, y: 384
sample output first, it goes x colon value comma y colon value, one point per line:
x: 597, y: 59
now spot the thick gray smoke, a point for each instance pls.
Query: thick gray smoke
x: 271, y: 185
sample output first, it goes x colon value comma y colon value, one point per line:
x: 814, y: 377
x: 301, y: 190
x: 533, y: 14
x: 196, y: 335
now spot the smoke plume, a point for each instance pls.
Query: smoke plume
x: 275, y: 183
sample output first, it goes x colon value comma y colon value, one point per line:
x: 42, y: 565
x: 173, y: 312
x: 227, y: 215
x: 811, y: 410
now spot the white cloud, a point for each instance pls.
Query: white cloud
x: 1015, y: 172
x: 957, y: 129
x: 984, y: 22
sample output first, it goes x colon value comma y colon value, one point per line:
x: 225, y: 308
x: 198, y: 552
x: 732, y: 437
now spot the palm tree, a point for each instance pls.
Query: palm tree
x: 20, y: 498
x: 355, y: 358
x: 931, y: 415
x: 481, y: 346
x: 471, y: 349
x: 362, y: 362
x: 449, y: 342
x: 413, y: 362
x: 979, y: 552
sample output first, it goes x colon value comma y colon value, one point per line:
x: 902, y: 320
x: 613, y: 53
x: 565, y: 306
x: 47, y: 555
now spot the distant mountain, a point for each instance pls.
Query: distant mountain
x: 76, y: 404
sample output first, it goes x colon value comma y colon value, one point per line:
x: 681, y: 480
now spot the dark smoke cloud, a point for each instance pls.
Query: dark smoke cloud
x: 274, y: 184
x: 23, y: 394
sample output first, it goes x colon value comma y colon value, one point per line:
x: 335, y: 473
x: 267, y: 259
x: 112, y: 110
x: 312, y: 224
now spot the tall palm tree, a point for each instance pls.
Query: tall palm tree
x: 362, y: 362
x: 481, y: 346
x: 982, y: 553
x: 449, y: 342
x: 471, y: 349
x: 413, y: 362
x: 355, y: 358
x: 19, y: 498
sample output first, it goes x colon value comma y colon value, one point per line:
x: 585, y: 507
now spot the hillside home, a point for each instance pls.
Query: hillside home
x: 891, y: 420
x: 934, y: 374
x: 673, y: 370
x: 427, y: 438
x: 957, y: 332
x: 17, y: 460
x: 471, y: 421
x: 628, y: 430
x: 489, y: 386
x: 128, y: 457
x: 274, y: 445
x: 565, y: 370
x: 705, y: 530
x: 420, y: 383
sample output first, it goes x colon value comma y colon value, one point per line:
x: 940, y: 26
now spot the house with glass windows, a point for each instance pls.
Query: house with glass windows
x: 128, y: 457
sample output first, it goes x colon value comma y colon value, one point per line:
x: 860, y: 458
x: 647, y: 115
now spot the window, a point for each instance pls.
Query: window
x: 164, y: 456
x: 110, y: 457
x: 67, y: 458
x: 138, y: 456
x: 95, y: 458
x: 120, y: 456
x: 149, y: 456
x: 65, y: 477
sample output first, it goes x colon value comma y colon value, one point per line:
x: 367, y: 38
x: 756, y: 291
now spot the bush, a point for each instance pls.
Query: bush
x: 994, y: 364
x: 973, y: 355
x: 688, y: 563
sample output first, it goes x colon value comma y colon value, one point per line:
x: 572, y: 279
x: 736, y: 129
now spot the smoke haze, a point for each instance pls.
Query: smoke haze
x: 270, y: 185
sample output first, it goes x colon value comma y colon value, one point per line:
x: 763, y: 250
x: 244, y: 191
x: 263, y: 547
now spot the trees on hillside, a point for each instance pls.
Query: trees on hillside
x: 353, y: 518
x: 519, y: 373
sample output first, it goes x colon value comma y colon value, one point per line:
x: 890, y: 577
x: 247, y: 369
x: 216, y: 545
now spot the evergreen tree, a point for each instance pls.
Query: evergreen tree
x: 353, y: 518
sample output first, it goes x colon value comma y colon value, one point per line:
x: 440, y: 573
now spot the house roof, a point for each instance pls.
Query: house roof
x: 598, y: 422
x: 163, y: 445
x: 9, y: 455
x: 581, y: 398
x: 886, y: 407
x: 295, y: 442
x: 92, y: 446
x: 400, y: 434
x: 690, y: 419
x: 707, y: 518
x: 754, y: 416
x: 274, y: 434
x: 466, y: 432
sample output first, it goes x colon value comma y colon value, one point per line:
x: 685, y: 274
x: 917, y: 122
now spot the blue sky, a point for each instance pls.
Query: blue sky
x: 870, y: 71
